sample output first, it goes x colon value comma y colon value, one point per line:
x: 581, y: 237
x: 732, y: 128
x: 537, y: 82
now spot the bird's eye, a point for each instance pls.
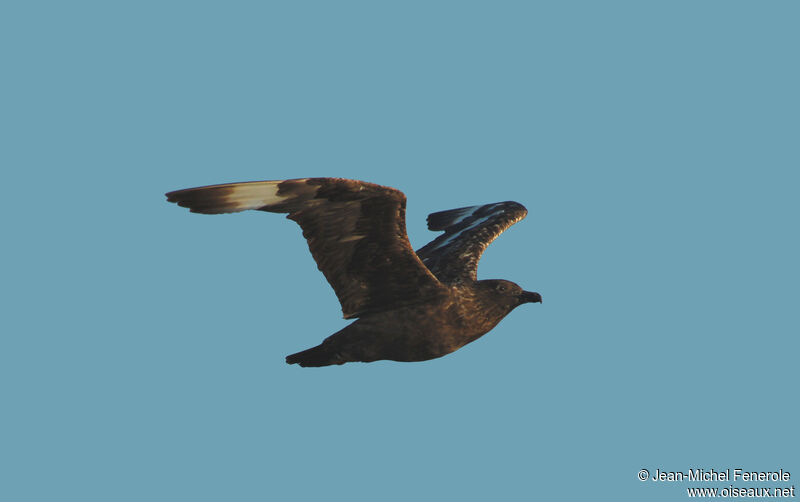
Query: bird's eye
x: 501, y: 288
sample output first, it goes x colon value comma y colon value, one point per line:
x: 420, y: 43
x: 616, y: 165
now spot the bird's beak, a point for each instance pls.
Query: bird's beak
x: 529, y: 297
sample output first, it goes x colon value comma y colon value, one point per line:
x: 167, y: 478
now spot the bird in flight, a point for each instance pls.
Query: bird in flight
x: 409, y: 306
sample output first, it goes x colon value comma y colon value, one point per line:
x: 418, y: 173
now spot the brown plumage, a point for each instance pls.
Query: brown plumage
x: 410, y: 306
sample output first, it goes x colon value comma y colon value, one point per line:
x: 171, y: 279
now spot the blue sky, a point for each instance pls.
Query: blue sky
x: 655, y: 145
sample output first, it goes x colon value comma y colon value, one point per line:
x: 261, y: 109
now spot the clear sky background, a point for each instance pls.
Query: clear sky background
x: 655, y: 145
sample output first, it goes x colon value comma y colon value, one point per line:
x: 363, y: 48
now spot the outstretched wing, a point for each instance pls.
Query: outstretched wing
x: 356, y: 232
x: 453, y: 256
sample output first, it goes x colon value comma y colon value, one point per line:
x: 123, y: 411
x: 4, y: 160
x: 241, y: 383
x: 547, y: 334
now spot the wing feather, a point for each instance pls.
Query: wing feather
x: 356, y: 232
x: 453, y: 256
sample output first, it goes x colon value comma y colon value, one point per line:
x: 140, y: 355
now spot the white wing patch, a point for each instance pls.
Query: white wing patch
x: 234, y: 197
x: 464, y: 214
x: 455, y: 235
x: 253, y: 195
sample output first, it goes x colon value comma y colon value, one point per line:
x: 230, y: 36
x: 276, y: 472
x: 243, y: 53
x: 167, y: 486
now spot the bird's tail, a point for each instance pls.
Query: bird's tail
x: 315, y: 356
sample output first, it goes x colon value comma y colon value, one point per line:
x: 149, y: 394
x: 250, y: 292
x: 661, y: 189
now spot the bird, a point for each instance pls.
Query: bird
x: 408, y: 306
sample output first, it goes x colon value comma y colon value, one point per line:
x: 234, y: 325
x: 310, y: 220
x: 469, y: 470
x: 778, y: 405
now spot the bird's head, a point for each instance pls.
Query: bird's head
x: 507, y: 293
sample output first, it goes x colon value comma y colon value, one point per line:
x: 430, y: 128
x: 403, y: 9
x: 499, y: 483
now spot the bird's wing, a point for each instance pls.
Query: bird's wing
x: 454, y: 255
x: 356, y: 232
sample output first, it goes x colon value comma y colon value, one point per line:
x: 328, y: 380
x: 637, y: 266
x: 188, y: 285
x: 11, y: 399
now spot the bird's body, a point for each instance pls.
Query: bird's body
x: 411, y: 333
x: 411, y: 306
